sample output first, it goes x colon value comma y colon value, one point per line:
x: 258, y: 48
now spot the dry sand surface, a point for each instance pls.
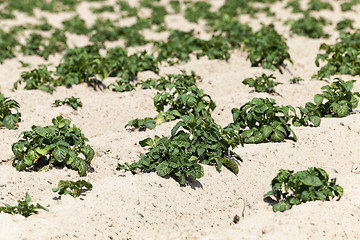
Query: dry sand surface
x: 146, y: 206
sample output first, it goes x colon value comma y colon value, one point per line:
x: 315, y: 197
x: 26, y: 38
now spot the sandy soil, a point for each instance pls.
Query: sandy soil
x: 146, y: 206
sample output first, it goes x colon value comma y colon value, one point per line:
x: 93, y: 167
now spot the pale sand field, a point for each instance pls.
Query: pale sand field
x: 146, y: 206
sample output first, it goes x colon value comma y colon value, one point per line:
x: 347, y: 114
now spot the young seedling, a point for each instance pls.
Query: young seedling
x: 295, y: 80
x: 23, y: 207
x: 291, y: 188
x: 72, y: 102
x: 263, y: 83
x: 72, y: 188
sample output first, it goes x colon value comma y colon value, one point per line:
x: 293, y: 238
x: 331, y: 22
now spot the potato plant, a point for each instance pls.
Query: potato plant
x: 73, y: 102
x: 309, y: 26
x: 23, y: 207
x: 260, y: 120
x: 9, y: 118
x: 291, y: 188
x: 72, y: 188
x: 263, y: 83
x: 339, y: 102
x: 195, y: 140
x: 267, y: 48
x: 342, y: 57
x: 54, y: 145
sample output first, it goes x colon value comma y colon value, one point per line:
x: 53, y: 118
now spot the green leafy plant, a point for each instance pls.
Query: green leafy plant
x: 234, y: 32
x: 267, y: 48
x: 102, y: 9
x: 36, y: 44
x: 127, y: 67
x: 76, y: 25
x: 197, y: 10
x: 38, y: 78
x: 317, y: 5
x: 8, y: 43
x: 340, y: 101
x: 9, y: 119
x: 54, y: 145
x: 309, y: 26
x: 182, y: 101
x: 175, y: 5
x: 295, y: 5
x: 260, y: 120
x: 291, y: 188
x: 72, y: 188
x: 82, y: 65
x: 341, y: 58
x: 23, y: 207
x: 200, y: 141
x: 295, y: 80
x: 263, y: 83
x: 180, y: 45
x: 347, y: 6
x: 72, y: 102
x: 345, y: 24
x: 142, y: 124
x: 171, y: 81
x: 106, y: 30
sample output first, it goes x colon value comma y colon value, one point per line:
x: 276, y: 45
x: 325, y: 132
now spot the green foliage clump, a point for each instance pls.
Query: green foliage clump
x: 127, y: 67
x: 142, y: 124
x: 347, y: 6
x: 38, y: 78
x: 317, y: 5
x: 260, y: 120
x: 102, y: 9
x: 197, y: 10
x: 309, y: 26
x: 180, y: 45
x: 9, y: 119
x: 54, y: 145
x: 345, y: 24
x: 234, y: 32
x: 341, y: 58
x: 105, y: 30
x: 171, y: 81
x: 295, y: 5
x: 72, y: 102
x: 72, y: 188
x: 36, y: 44
x: 340, y: 101
x: 81, y: 65
x: 8, y: 43
x: 76, y: 25
x: 125, y: 7
x: 182, y: 101
x: 263, y: 83
x: 267, y: 48
x: 291, y: 188
x: 295, y: 80
x: 175, y: 5
x: 23, y: 207
x: 200, y: 141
